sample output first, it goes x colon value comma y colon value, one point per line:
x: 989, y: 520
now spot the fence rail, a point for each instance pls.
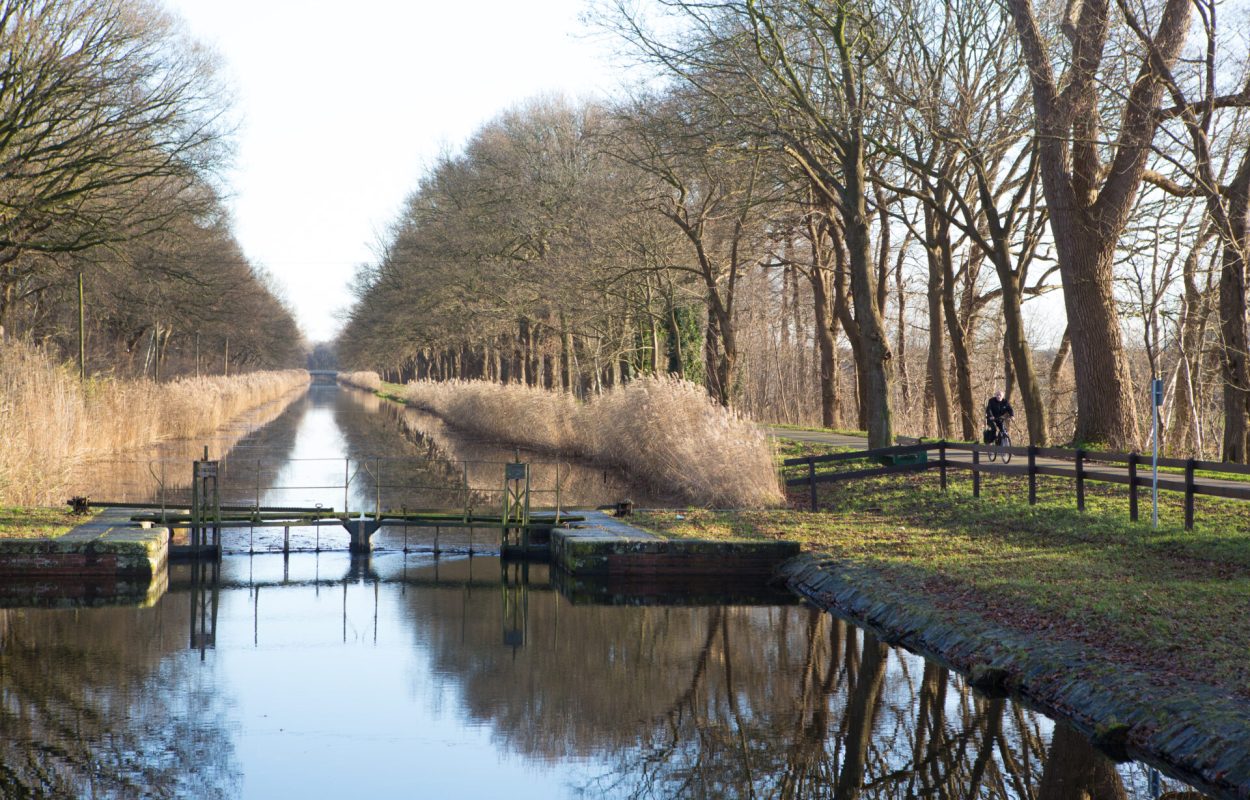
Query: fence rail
x: 1080, y: 465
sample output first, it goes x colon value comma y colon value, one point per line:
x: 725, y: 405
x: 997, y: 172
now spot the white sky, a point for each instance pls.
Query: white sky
x: 343, y: 105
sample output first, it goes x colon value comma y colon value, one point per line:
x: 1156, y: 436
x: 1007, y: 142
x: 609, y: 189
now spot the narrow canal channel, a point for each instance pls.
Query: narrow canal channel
x: 409, y: 674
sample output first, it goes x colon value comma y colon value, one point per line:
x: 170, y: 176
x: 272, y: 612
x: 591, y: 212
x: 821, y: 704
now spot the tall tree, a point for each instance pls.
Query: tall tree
x: 1090, y: 188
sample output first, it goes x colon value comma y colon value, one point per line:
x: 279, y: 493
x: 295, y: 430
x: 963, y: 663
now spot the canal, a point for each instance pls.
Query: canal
x: 314, y: 674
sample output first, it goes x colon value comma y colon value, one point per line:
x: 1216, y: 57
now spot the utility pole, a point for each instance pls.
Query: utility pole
x: 82, y: 333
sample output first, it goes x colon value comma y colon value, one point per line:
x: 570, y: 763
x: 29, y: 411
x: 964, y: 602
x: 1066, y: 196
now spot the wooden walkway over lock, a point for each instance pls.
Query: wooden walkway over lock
x: 1130, y: 469
x: 205, y: 516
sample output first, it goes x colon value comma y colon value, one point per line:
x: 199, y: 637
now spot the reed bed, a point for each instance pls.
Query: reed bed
x: 663, y: 432
x: 50, y: 422
x: 361, y: 380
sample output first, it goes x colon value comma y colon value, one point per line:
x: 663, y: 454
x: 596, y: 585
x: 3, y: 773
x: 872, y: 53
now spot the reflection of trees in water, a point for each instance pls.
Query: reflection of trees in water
x: 107, y: 710
x: 444, y: 447
x: 747, y: 702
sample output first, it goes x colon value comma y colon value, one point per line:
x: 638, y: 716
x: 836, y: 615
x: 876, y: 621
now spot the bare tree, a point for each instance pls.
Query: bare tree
x: 1090, y: 188
x: 103, y: 107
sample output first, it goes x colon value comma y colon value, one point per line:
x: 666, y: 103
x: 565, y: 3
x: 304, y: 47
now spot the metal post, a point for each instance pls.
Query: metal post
x: 1080, y: 479
x: 377, y: 479
x: 1132, y: 485
x: 286, y: 541
x: 163, y: 518
x: 942, y: 462
x: 347, y: 467
x: 558, y: 492
x: 82, y: 333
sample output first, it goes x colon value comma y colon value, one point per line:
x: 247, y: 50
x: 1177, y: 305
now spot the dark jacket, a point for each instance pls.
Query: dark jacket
x: 996, y: 409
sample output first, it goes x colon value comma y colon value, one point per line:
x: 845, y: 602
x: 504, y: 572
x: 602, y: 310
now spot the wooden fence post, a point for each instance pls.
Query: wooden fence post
x: 1132, y: 486
x: 942, y: 462
x: 1189, y: 494
x: 976, y: 472
x: 1032, y: 475
x: 811, y: 479
x: 1080, y: 479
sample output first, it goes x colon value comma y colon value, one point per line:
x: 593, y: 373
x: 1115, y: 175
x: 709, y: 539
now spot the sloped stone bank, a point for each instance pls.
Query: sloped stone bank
x: 1194, y: 732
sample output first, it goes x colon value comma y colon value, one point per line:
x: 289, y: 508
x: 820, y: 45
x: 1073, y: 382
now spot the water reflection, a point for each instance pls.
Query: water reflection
x: 347, y: 449
x: 321, y: 675
x: 488, y: 682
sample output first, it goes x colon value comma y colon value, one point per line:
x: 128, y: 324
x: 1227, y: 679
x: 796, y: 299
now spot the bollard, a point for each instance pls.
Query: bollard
x: 286, y: 540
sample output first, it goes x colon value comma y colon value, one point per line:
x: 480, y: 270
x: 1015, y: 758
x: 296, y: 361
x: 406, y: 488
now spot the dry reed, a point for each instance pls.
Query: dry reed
x: 663, y: 432
x: 50, y: 422
x: 361, y: 380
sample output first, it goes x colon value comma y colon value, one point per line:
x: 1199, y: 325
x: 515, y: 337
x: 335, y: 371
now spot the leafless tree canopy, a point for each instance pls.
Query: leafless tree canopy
x: 113, y: 131
x: 866, y: 215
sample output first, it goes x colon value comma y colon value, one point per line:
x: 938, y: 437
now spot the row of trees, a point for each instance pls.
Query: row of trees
x: 891, y: 181
x: 112, y: 135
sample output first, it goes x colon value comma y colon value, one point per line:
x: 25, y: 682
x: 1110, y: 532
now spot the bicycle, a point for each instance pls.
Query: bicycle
x: 1002, y: 441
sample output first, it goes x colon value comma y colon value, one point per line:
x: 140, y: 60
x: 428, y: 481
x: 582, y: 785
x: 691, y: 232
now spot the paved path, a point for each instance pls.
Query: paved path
x: 1019, y: 465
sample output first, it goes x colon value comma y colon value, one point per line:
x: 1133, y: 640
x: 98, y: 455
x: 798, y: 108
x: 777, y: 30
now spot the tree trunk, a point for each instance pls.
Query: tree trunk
x: 1017, y: 345
x: 1236, y: 347
x: 826, y: 341
x: 1183, y: 435
x: 876, y: 366
x: 936, y: 388
x: 959, y: 348
x: 1105, y: 410
x: 901, y: 338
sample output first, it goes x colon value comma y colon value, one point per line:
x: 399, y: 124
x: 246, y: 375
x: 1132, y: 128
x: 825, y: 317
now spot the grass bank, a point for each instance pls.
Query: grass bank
x: 50, y: 422
x: 1171, y: 601
x: 1137, y: 636
x: 661, y: 432
x: 36, y: 523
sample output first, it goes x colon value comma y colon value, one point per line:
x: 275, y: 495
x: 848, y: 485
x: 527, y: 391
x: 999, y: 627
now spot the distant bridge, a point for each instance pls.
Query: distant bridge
x: 324, y: 375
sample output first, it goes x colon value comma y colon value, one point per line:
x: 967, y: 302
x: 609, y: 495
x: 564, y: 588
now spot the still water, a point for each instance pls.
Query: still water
x: 411, y: 675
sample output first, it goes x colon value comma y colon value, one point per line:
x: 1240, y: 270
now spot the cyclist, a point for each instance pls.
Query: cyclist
x: 997, y: 412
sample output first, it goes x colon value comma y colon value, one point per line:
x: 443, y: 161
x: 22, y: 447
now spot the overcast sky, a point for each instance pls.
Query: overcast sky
x: 343, y: 105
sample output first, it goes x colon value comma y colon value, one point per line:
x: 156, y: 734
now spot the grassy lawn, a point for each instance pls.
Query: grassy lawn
x: 36, y: 523
x: 1172, y: 601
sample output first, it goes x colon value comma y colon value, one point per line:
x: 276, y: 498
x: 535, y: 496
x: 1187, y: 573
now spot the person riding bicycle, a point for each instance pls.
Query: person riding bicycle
x: 997, y: 412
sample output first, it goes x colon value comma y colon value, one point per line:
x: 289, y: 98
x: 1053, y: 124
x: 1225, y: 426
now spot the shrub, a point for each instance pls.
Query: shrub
x: 661, y: 431
x: 50, y: 422
x: 361, y: 380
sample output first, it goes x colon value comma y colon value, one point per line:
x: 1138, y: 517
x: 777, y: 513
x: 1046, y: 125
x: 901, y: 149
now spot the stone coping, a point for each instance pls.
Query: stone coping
x: 1197, y: 733
x: 603, y: 545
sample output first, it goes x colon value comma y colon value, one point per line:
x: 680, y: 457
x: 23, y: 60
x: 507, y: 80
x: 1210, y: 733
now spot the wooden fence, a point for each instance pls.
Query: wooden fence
x: 1131, y: 469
